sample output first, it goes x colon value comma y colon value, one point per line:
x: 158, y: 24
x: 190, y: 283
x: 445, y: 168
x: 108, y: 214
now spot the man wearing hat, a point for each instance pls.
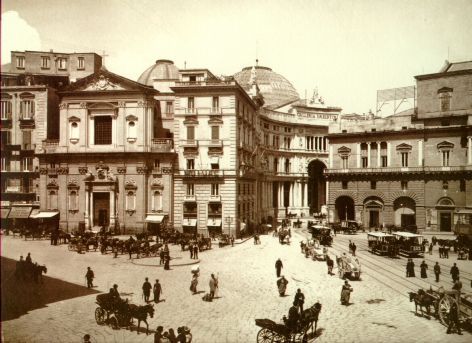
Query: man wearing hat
x: 146, y: 290
x: 89, y: 276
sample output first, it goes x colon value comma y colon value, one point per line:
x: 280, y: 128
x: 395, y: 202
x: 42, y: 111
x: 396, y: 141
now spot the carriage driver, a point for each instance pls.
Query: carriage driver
x: 293, y: 317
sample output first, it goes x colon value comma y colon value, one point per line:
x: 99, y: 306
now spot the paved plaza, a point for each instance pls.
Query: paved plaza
x: 380, y: 310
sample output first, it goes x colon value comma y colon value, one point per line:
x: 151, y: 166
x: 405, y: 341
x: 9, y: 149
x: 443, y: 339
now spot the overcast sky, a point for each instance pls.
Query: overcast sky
x: 348, y: 49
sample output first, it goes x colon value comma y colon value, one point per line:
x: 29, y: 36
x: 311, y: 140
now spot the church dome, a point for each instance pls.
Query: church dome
x: 161, y: 70
x: 275, y: 88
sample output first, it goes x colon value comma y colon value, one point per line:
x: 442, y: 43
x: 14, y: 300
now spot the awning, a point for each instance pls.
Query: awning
x: 214, y: 222
x: 154, y: 218
x: 20, y: 212
x: 189, y: 222
x: 45, y: 214
x: 4, y: 213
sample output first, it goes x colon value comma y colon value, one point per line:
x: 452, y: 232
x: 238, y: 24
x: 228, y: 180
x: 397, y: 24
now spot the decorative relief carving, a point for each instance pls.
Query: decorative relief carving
x: 102, y: 83
x: 62, y: 105
x: 73, y: 184
x: 142, y: 170
x: 63, y: 170
x: 130, y: 184
x: 157, y: 184
x: 166, y: 170
x: 141, y: 103
x: 43, y: 171
x: 83, y: 105
x: 121, y: 104
x: 52, y: 184
x: 83, y: 170
x: 121, y: 170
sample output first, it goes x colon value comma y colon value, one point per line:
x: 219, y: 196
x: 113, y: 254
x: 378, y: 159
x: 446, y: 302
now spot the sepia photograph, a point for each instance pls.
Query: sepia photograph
x: 251, y: 171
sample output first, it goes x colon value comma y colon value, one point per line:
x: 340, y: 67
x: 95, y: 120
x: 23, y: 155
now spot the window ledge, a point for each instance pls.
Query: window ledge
x: 131, y: 140
x: 74, y: 140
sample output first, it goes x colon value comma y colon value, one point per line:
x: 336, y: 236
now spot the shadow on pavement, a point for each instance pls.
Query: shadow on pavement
x: 19, y: 297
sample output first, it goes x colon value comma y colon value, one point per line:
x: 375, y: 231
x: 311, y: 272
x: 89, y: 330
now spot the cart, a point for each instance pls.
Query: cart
x: 113, y: 312
x: 348, y: 267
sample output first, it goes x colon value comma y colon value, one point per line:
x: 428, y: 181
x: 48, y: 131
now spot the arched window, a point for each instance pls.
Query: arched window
x: 132, y: 135
x: 74, y: 132
x: 52, y: 200
x: 130, y: 201
x: 157, y: 201
x: 73, y: 201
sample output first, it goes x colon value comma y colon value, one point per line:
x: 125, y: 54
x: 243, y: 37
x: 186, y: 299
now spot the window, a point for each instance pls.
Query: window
x: 27, y: 164
x: 215, y: 132
x: 287, y: 165
x: 27, y: 109
x: 52, y: 205
x: 445, y: 185
x: 462, y: 185
x: 215, y: 165
x: 445, y: 101
x: 190, y: 164
x: 6, y: 137
x: 130, y: 201
x: 157, y: 163
x: 6, y: 109
x: 73, y: 201
x: 404, y: 185
x: 384, y: 161
x: 26, y: 140
x: 215, y: 103
x: 344, y: 184
x: 365, y: 162
x: 345, y: 162
x: 404, y: 159
x: 215, y: 189
x: 5, y: 165
x: 445, y: 158
x: 276, y: 164
x: 169, y: 107
x: 81, y: 63
x: 157, y: 201
x: 190, y: 189
x: 74, y: 132
x: 373, y: 184
x: 45, y: 62
x: 190, y: 133
x: 62, y: 63
x: 266, y: 139
x: 20, y: 62
x: 132, y: 134
x: 102, y: 130
x: 191, y: 103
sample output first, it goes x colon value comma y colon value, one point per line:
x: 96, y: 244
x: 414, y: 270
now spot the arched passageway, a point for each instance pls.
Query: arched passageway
x: 316, y: 186
x: 344, y: 208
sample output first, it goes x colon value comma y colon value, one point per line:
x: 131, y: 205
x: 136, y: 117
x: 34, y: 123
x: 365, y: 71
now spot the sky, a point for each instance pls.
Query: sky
x: 347, y: 49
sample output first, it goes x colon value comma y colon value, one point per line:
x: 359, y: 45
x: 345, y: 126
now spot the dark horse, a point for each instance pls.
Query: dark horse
x: 422, y: 299
x: 34, y: 272
x: 141, y: 313
x: 310, y: 316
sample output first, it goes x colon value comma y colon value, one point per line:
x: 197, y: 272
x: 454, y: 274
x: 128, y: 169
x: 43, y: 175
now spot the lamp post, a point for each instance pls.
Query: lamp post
x: 229, y: 220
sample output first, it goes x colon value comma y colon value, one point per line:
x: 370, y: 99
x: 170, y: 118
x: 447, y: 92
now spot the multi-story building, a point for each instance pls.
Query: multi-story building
x: 413, y: 168
x: 112, y: 164
x: 29, y: 102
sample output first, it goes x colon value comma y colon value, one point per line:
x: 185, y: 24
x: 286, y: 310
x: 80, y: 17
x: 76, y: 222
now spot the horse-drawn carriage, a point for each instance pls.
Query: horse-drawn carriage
x: 322, y: 234
x: 313, y: 248
x: 284, y: 235
x: 382, y: 243
x: 409, y: 244
x: 119, y: 313
x: 348, y: 267
x: 282, y: 333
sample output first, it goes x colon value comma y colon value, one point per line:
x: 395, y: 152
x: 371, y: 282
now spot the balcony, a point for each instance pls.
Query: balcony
x: 189, y: 143
x: 398, y: 170
x: 50, y: 145
x: 206, y: 173
x: 161, y: 145
x: 215, y: 198
x: 190, y: 198
x: 215, y: 143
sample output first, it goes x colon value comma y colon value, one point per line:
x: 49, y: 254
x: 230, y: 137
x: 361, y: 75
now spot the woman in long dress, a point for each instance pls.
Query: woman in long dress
x: 194, y: 283
x: 423, y: 267
x: 346, y: 293
x: 282, y: 285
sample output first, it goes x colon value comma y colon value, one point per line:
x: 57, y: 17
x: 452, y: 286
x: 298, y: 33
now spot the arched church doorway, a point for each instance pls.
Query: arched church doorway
x: 344, y: 208
x: 405, y: 212
x: 316, y: 186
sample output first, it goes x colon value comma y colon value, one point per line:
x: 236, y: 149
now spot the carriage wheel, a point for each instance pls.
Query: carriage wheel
x: 100, y: 315
x: 266, y: 336
x: 113, y: 321
x: 443, y: 309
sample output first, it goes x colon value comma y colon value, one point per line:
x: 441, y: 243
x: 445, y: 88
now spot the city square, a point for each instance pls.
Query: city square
x: 217, y: 172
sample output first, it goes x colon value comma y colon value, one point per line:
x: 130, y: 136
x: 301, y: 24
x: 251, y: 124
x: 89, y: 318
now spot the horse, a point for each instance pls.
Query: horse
x: 38, y: 272
x: 141, y: 313
x: 308, y: 317
x: 422, y: 299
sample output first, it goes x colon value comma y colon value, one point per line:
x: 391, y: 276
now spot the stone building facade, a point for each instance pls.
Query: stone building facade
x: 413, y: 168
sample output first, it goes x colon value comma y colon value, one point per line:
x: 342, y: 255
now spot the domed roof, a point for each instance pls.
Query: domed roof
x: 275, y: 88
x: 161, y: 70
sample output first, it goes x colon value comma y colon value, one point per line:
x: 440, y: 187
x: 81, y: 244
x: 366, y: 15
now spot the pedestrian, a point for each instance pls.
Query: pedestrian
x: 181, y: 337
x: 430, y: 248
x: 158, y: 335
x: 87, y: 338
x: 157, y: 291
x: 28, y: 258
x: 446, y: 251
x: 190, y: 248
x: 194, y: 283
x: 89, y: 276
x: 282, y: 285
x: 171, y: 336
x: 278, y: 267
x: 437, y: 271
x: 410, y: 268
x: 423, y: 267
x: 147, y: 290
x: 454, y: 272
x: 330, y: 264
x: 354, y: 247
x: 161, y: 256
x: 299, y: 299
x: 255, y: 239
x: 454, y: 319
x: 213, y: 285
x: 195, y: 251
x: 350, y: 246
x: 167, y: 261
x: 232, y: 240
x: 457, y: 286
x: 129, y: 246
x: 346, y: 293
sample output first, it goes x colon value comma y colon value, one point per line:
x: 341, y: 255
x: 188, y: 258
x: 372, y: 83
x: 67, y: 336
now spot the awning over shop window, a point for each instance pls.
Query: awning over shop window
x: 214, y: 222
x: 189, y: 222
x: 4, y: 213
x: 20, y: 212
x: 154, y: 218
x: 45, y: 214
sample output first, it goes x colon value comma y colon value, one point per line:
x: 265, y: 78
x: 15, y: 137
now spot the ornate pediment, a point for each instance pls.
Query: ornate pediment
x: 52, y: 184
x: 103, y: 83
x: 403, y: 147
x: 73, y: 184
x: 445, y: 90
x: 445, y: 145
x: 74, y: 119
x: 130, y: 184
x: 344, y: 150
x: 157, y: 184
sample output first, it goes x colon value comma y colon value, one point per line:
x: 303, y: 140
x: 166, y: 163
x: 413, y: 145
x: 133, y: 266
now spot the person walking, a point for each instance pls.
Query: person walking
x: 157, y: 291
x: 330, y: 263
x: 454, y: 319
x: 161, y: 256
x: 190, y: 248
x: 346, y: 293
x: 195, y: 251
x: 158, y: 335
x: 194, y: 283
x: 454, y: 272
x: 424, y: 268
x: 278, y: 267
x: 299, y: 299
x: 166, y: 261
x: 147, y: 290
x: 437, y: 271
x: 282, y: 285
x: 353, y: 247
x: 350, y: 246
x: 232, y: 240
x: 29, y: 260
x: 430, y: 248
x: 213, y: 285
x: 89, y: 276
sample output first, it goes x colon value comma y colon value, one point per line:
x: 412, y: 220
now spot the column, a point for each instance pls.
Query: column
x: 378, y: 155
x: 368, y: 154
x: 281, y: 195
x: 91, y: 210
x: 420, y: 152
x: 86, y: 212
x: 469, y: 150
x: 330, y: 156
x: 112, y: 209
x: 290, y: 194
x: 321, y: 143
x: 305, y: 194
x: 358, y: 155
x: 389, y: 147
x: 316, y: 143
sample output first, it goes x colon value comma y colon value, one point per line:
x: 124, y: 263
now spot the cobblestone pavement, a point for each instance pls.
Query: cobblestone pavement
x: 380, y: 310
